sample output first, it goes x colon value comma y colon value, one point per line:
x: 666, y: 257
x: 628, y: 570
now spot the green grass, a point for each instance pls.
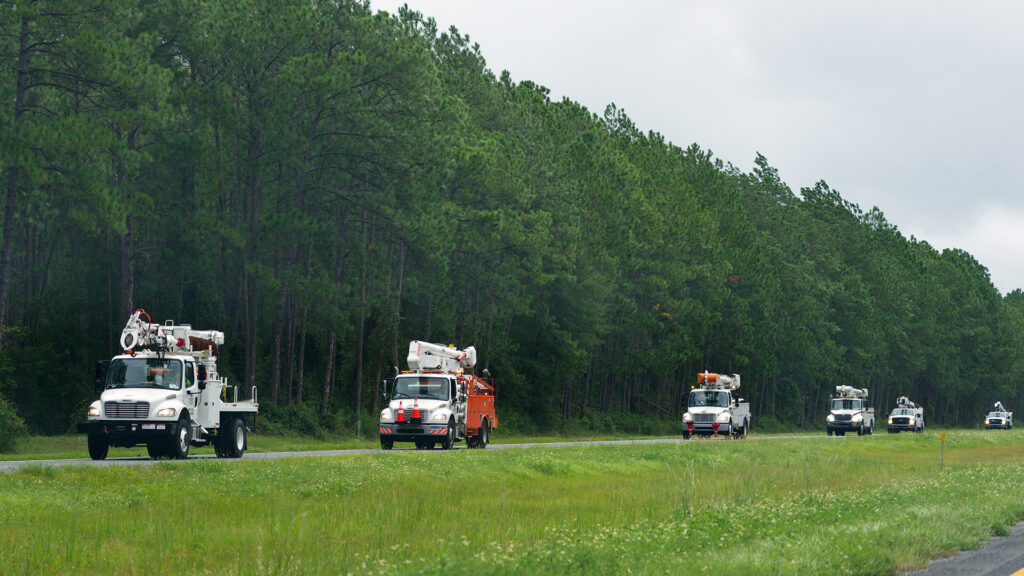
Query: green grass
x: 790, y: 506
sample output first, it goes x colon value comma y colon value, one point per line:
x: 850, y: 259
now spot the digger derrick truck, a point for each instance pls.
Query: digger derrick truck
x: 164, y: 391
x: 438, y: 401
x: 847, y: 412
x: 713, y: 408
x: 906, y: 416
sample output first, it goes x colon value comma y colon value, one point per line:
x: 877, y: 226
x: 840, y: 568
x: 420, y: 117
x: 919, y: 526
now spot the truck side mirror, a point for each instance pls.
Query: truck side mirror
x: 202, y: 377
x: 101, y: 375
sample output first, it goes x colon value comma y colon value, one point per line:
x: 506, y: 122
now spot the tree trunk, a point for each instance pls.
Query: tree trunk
x: 362, y: 322
x: 11, y: 197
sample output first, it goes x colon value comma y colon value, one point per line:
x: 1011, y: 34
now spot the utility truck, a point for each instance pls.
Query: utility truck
x: 1000, y: 418
x: 906, y: 416
x: 164, y: 391
x: 438, y: 401
x: 713, y: 408
x: 848, y: 412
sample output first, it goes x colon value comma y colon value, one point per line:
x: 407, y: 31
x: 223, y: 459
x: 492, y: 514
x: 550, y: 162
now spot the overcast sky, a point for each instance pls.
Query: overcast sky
x: 911, y: 106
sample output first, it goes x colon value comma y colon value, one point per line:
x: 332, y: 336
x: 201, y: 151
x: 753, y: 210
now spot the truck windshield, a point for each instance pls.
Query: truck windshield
x: 996, y: 414
x: 902, y: 412
x: 145, y: 373
x: 421, y: 387
x: 845, y: 404
x: 717, y: 398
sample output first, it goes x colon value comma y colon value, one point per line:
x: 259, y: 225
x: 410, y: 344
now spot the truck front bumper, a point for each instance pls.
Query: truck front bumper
x: 703, y: 429
x: 405, y: 432
x: 127, y: 433
x: 844, y: 426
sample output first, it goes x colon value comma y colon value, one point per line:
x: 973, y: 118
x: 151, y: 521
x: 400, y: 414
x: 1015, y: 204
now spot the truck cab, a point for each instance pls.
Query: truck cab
x: 713, y: 409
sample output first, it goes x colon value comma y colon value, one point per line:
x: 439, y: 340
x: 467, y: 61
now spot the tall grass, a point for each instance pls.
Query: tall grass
x: 792, y: 506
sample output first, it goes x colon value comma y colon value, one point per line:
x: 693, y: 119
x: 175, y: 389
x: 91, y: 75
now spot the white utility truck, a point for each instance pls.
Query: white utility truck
x: 906, y: 416
x: 165, y: 392
x: 438, y: 401
x: 848, y: 412
x: 714, y: 409
x: 1000, y: 418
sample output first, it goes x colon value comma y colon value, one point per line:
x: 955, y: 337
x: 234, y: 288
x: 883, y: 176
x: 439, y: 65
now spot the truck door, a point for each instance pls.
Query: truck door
x: 459, y: 401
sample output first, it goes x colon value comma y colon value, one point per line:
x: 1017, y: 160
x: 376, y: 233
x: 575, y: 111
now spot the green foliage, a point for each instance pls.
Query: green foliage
x: 12, y: 427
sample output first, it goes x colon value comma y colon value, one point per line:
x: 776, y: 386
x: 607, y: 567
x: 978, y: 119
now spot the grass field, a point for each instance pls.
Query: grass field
x: 850, y: 505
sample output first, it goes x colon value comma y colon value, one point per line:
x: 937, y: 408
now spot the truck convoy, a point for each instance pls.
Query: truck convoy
x: 906, y: 416
x: 847, y: 412
x: 164, y: 391
x: 713, y: 409
x: 999, y: 418
x: 438, y: 401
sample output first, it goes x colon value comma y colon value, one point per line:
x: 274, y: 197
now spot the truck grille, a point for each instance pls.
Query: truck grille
x: 901, y: 420
x: 843, y: 417
x: 126, y: 410
x: 703, y: 418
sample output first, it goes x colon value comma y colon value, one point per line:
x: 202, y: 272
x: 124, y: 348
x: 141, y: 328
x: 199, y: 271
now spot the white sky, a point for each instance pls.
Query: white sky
x: 911, y: 106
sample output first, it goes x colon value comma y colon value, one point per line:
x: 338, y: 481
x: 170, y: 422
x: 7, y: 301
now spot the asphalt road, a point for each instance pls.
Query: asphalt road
x: 12, y: 465
x: 1001, y: 556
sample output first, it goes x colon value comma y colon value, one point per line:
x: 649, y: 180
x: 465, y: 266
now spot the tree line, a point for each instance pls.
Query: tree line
x: 324, y: 183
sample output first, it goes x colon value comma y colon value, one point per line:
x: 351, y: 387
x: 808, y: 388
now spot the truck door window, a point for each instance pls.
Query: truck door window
x: 190, y: 371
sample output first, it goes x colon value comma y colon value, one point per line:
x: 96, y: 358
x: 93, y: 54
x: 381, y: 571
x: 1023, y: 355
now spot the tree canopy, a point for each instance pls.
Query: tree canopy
x: 325, y: 183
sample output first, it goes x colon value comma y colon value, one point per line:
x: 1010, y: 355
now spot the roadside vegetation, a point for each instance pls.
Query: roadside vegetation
x: 790, y: 506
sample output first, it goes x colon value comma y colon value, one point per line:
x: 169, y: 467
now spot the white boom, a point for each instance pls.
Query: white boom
x: 424, y: 356
x: 851, y: 392
x: 718, y: 381
x: 1000, y: 408
x: 169, y: 337
x: 904, y: 402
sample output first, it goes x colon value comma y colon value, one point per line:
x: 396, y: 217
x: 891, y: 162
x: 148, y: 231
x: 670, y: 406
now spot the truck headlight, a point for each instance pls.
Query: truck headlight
x: 724, y: 417
x: 94, y: 411
x: 439, y: 417
x: 912, y: 421
x: 386, y: 415
x: 890, y: 421
x: 166, y: 413
x: 831, y: 418
x: 858, y: 418
x: 687, y: 417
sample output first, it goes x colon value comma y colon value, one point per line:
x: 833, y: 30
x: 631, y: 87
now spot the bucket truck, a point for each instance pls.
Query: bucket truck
x: 438, y: 401
x: 713, y: 408
x: 848, y: 412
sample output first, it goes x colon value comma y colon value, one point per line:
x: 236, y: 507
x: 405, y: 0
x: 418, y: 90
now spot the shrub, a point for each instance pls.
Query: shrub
x: 12, y: 427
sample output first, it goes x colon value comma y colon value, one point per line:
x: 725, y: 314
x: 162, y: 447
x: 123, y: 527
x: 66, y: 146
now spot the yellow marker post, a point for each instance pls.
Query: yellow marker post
x: 942, y: 450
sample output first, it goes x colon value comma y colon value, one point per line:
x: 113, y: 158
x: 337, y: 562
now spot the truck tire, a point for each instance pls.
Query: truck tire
x: 485, y: 435
x: 449, y: 438
x: 180, y: 441
x: 98, y: 446
x: 830, y: 432
x: 157, y: 450
x: 386, y: 444
x: 231, y: 440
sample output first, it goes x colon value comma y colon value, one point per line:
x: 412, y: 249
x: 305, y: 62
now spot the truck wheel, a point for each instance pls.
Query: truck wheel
x: 449, y: 437
x: 156, y: 450
x: 231, y: 439
x: 830, y: 432
x: 98, y: 446
x: 181, y: 440
x: 485, y: 435
x: 386, y: 444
